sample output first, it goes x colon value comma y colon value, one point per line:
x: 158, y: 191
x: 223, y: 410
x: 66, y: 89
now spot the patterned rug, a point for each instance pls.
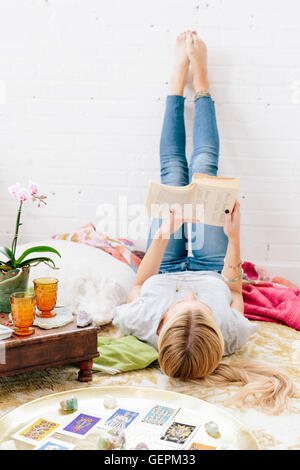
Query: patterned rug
x: 273, y: 343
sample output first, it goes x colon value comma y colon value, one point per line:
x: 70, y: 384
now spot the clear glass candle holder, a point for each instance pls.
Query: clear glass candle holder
x: 45, y: 289
x: 23, y: 312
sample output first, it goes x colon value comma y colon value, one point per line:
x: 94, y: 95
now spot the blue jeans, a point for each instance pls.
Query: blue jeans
x: 209, y: 243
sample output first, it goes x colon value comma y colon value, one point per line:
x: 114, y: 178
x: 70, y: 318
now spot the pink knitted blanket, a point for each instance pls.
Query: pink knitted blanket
x: 270, y: 298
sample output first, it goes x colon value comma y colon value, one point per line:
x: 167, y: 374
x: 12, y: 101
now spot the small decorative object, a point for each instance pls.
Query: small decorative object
x: 141, y: 446
x: 70, y: 404
x: 212, y: 429
x: 105, y: 441
x: 5, y: 332
x: 119, y: 437
x: 113, y: 439
x: 8, y: 445
x: 45, y: 289
x: 110, y: 402
x: 63, y: 317
x: 14, y: 272
x: 23, y: 311
x: 84, y: 319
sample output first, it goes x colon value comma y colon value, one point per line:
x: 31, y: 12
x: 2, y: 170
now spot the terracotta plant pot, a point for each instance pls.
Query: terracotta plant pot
x: 10, y: 284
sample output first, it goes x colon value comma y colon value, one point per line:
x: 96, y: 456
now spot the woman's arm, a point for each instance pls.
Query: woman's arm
x: 151, y: 262
x: 232, y: 263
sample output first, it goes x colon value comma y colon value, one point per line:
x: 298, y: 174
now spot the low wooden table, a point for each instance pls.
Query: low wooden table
x: 49, y: 348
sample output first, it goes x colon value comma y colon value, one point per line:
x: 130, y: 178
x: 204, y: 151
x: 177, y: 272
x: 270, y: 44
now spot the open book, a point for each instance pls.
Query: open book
x: 205, y: 200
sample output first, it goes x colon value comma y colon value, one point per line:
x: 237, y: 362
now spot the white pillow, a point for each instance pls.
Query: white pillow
x: 89, y: 278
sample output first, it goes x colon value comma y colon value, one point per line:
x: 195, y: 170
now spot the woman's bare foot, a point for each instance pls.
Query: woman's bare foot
x: 196, y: 50
x: 181, y: 66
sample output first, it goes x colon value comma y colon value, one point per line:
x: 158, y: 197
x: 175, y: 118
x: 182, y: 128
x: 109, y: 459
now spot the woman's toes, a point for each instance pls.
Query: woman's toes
x: 181, y: 37
x: 189, y: 42
x: 197, y: 40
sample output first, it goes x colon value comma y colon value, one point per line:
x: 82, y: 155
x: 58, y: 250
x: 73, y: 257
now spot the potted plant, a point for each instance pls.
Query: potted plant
x: 14, y: 271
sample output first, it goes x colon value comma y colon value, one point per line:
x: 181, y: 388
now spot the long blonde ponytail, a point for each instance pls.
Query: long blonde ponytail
x: 190, y: 346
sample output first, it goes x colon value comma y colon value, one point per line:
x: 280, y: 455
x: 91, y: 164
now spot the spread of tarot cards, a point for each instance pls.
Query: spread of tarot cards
x: 122, y: 418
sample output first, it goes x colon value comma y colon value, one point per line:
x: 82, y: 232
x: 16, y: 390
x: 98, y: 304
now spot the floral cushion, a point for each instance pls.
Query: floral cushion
x: 121, y: 249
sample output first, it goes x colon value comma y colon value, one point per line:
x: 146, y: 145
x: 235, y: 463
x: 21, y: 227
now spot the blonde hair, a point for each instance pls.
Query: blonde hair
x: 191, y: 346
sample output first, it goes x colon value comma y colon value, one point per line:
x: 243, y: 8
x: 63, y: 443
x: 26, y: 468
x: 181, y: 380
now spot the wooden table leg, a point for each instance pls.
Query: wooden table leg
x: 85, y: 371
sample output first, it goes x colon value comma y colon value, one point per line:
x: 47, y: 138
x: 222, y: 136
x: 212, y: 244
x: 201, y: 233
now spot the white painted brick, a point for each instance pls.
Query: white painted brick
x: 94, y: 109
x: 284, y: 253
x: 231, y: 6
x: 267, y: 184
x: 270, y: 202
x: 255, y: 235
x: 272, y: 219
x: 249, y: 75
x: 254, y: 166
x: 258, y: 113
x: 263, y: 149
x: 266, y: 130
x: 86, y: 85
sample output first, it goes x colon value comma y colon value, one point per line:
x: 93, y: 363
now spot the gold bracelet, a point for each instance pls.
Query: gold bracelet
x: 226, y: 279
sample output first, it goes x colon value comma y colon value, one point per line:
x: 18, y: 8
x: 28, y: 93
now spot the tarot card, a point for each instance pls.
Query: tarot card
x: 152, y: 445
x: 139, y: 433
x: 121, y: 419
x: 53, y: 444
x: 80, y: 426
x: 198, y: 446
x: 178, y: 433
x: 36, y: 432
x: 159, y: 415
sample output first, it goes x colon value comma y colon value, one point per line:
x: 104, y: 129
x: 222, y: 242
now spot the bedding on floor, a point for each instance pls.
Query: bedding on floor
x: 102, y: 283
x: 124, y: 354
x: 270, y: 298
x: 97, y: 268
x: 272, y: 340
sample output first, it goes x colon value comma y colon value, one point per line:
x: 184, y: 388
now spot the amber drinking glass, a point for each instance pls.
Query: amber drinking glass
x: 23, y: 311
x: 45, y: 289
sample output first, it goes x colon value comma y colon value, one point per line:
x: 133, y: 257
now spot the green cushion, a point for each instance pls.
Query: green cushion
x: 123, y: 354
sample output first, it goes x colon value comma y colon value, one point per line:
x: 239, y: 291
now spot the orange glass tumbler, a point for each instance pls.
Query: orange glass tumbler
x: 45, y: 289
x: 23, y: 312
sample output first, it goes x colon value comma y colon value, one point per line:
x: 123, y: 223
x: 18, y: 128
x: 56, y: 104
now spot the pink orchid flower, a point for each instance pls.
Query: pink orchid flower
x: 14, y: 189
x: 33, y: 188
x: 23, y: 195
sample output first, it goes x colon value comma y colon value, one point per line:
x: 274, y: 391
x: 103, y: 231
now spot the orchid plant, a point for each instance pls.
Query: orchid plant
x: 24, y: 195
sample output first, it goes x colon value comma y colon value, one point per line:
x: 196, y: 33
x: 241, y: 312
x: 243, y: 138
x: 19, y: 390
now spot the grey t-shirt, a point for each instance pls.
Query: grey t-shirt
x: 142, y: 316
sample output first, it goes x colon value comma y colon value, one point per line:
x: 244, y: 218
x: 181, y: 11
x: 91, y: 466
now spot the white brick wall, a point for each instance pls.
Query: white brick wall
x: 85, y: 83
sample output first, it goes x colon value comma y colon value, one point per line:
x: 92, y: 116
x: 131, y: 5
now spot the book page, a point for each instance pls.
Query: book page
x: 161, y: 198
x: 216, y: 181
x: 204, y: 200
x: 211, y: 203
